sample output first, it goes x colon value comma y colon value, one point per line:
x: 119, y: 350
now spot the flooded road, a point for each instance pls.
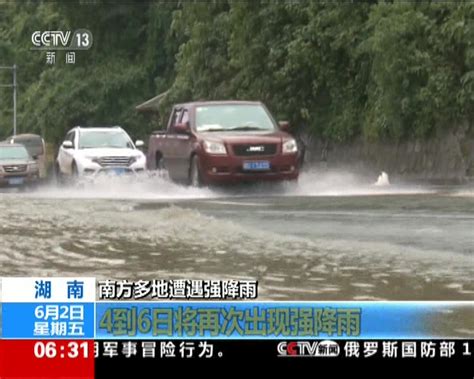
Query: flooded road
x: 333, y: 237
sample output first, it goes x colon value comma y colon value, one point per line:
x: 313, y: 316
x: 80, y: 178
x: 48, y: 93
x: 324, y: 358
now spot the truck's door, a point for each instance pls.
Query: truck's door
x: 170, y: 145
x: 184, y: 146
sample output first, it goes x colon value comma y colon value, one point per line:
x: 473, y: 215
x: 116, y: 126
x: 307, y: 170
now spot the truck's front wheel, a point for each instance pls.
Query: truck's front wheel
x: 159, y: 162
x: 195, y: 178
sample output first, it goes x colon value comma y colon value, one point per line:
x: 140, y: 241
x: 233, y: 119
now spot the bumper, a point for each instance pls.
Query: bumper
x: 18, y: 180
x: 116, y: 171
x: 94, y: 170
x: 229, y: 169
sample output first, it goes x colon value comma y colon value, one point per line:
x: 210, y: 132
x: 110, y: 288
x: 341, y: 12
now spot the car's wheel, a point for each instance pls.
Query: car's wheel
x: 195, y: 177
x: 74, y: 173
x: 75, y: 180
x: 58, y: 175
x: 74, y: 170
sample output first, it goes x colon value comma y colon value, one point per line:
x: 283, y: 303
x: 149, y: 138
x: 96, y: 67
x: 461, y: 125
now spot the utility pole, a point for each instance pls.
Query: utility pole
x: 14, y: 99
x: 14, y: 86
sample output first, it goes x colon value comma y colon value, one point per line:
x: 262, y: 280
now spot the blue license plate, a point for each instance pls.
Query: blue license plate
x: 257, y: 166
x: 15, y: 181
x: 119, y: 171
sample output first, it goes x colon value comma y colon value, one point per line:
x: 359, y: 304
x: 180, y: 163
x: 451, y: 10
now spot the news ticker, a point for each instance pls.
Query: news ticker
x: 68, y: 322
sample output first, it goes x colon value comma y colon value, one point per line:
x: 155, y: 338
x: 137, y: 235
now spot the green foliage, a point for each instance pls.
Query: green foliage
x: 387, y: 70
x: 132, y: 57
x: 384, y: 70
x: 420, y: 71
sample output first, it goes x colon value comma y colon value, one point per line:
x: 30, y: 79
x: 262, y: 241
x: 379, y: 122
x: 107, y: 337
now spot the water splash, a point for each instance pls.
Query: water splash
x: 142, y: 187
x: 159, y: 187
x: 382, y: 180
x: 347, y: 183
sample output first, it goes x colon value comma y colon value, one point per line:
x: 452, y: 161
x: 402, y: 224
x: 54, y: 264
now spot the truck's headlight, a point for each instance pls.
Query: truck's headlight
x: 217, y: 148
x: 290, y: 146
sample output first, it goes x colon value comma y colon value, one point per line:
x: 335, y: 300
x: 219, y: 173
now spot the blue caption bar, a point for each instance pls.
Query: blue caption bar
x: 266, y: 320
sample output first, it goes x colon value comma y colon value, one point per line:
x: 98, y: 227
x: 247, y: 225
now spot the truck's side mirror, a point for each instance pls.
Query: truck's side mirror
x: 284, y: 125
x: 139, y: 143
x: 182, y: 128
x: 67, y: 145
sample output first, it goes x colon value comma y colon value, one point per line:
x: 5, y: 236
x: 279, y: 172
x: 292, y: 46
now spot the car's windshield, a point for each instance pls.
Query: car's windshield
x: 233, y: 117
x: 94, y: 138
x: 13, y: 152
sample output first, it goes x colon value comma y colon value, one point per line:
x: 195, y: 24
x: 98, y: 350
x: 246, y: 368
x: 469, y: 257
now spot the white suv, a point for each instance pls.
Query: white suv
x: 90, y: 151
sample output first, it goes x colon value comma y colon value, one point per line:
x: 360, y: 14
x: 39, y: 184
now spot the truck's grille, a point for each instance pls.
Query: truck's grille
x: 15, y: 168
x: 115, y: 161
x: 255, y: 149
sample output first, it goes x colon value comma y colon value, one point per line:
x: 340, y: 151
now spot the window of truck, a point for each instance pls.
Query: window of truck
x: 233, y: 117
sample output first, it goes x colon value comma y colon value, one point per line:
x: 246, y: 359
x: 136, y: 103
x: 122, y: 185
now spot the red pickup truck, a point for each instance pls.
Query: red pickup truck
x: 219, y: 142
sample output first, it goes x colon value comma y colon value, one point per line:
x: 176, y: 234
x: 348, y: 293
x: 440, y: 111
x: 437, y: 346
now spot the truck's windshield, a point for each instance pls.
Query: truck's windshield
x: 89, y: 139
x: 233, y: 117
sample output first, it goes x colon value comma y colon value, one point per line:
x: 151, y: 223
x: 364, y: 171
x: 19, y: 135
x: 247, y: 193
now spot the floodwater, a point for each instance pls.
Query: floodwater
x: 331, y: 236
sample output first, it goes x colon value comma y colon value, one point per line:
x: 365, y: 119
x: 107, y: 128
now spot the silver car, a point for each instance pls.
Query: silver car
x: 17, y: 167
x: 35, y: 146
